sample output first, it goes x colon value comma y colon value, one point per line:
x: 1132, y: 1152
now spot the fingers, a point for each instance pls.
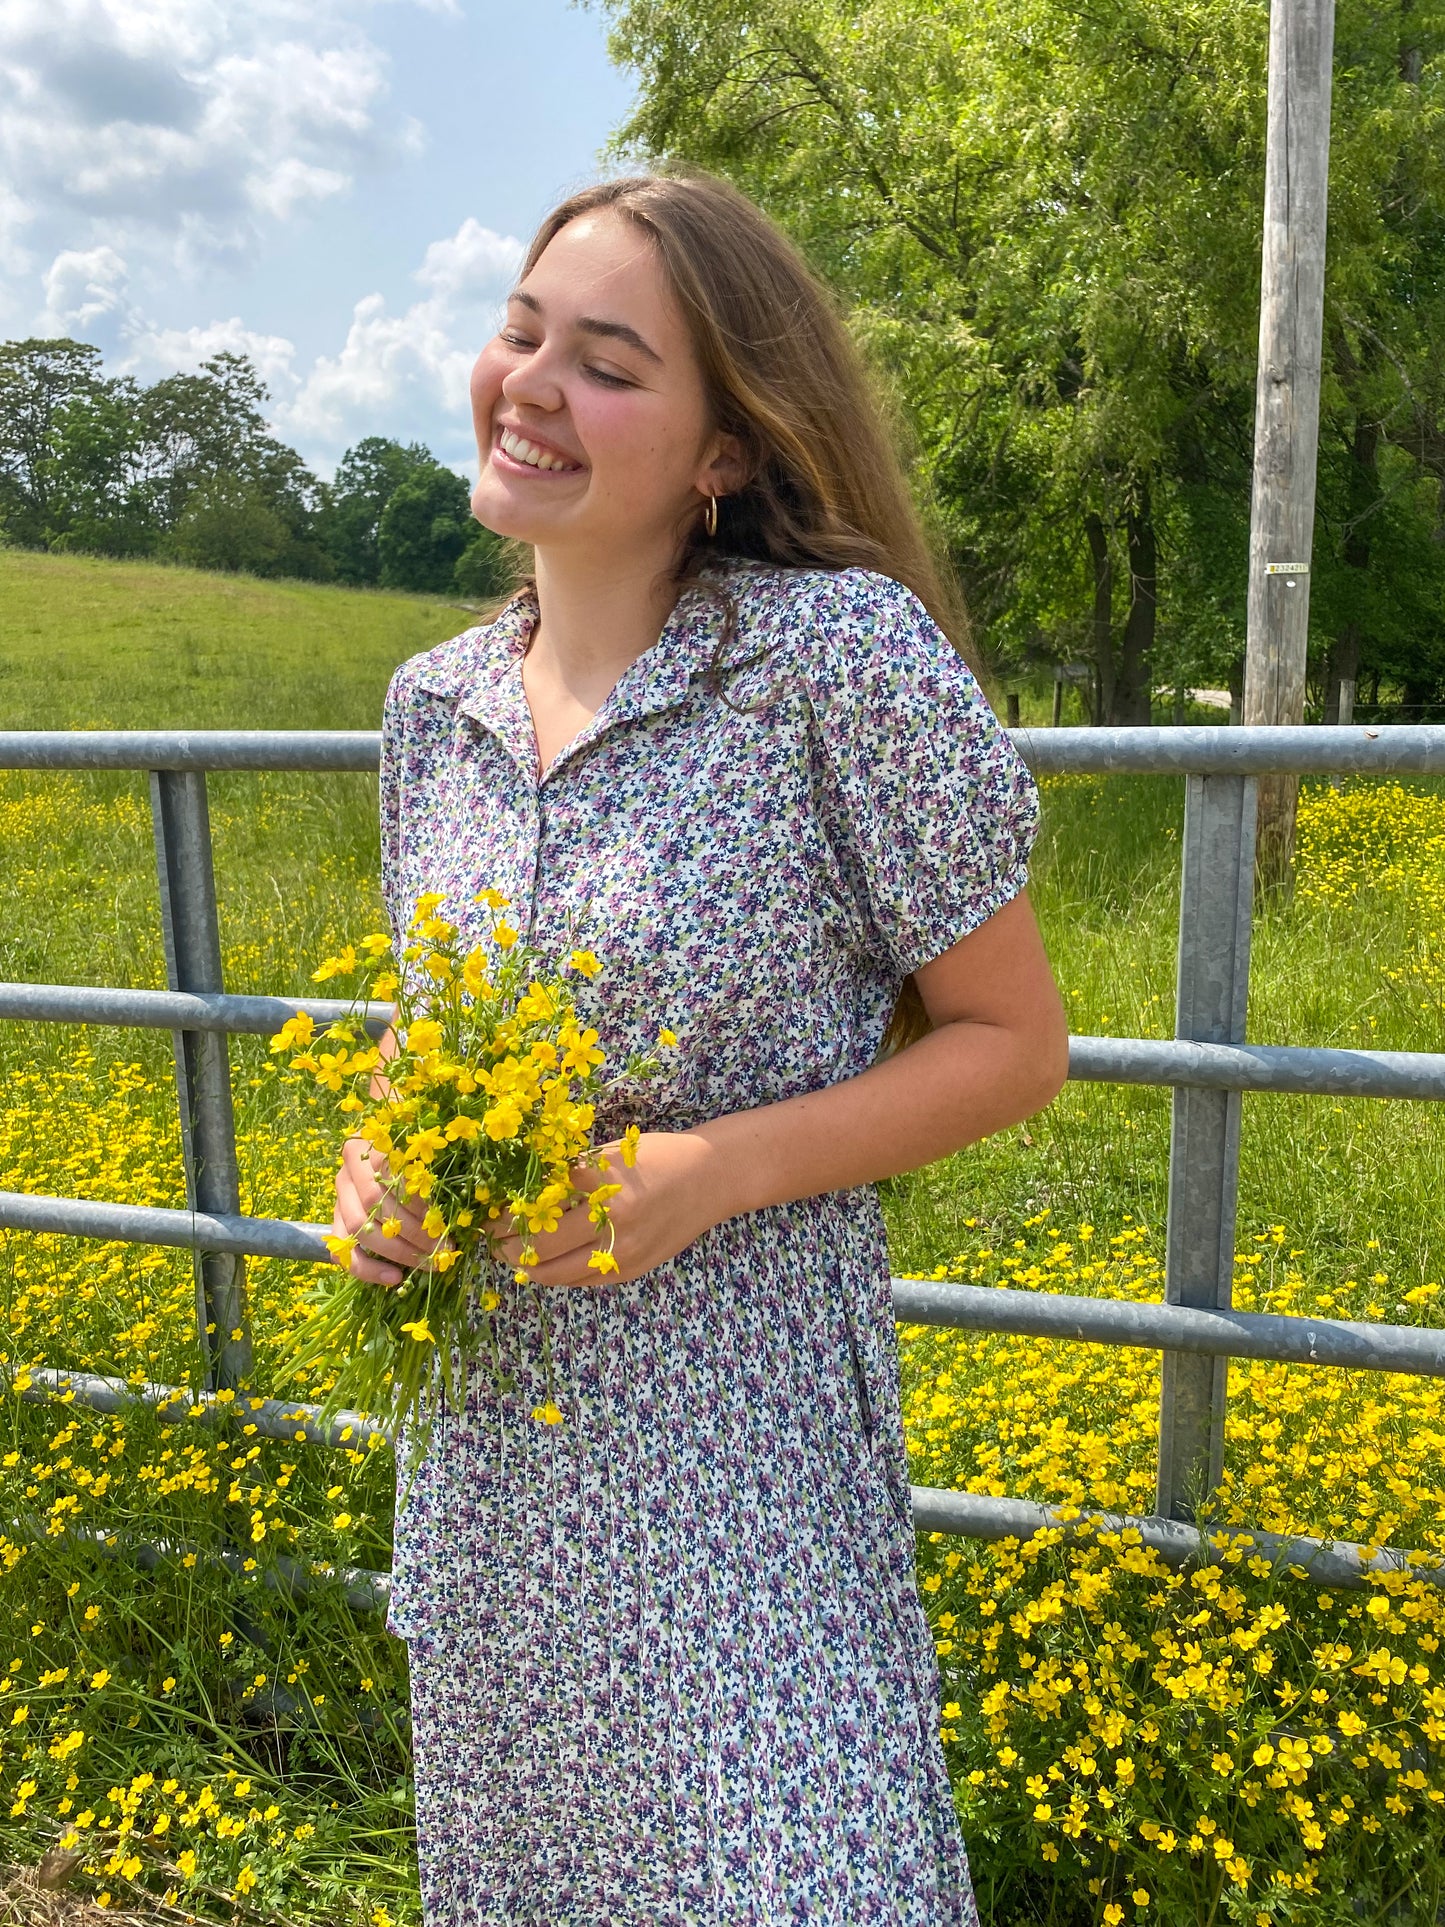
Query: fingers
x: 564, y: 1256
x: 350, y: 1222
x: 378, y: 1191
x: 601, y: 1168
x: 367, y: 1210
x: 572, y: 1271
x: 575, y: 1231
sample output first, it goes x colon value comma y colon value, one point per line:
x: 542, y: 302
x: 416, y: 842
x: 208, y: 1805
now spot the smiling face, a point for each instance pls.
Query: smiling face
x: 593, y: 429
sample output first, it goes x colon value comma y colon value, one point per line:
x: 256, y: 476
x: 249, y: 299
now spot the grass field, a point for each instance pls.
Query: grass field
x: 269, y: 1738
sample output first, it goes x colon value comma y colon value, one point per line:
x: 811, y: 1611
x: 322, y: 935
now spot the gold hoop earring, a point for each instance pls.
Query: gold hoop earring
x: 709, y: 520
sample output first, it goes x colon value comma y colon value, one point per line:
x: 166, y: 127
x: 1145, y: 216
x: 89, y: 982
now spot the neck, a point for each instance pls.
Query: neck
x: 596, y: 619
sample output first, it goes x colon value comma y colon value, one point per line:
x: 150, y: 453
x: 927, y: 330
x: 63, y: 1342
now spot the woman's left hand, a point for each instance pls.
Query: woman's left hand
x: 668, y: 1197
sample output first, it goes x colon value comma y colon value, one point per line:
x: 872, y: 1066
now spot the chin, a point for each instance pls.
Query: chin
x: 493, y: 509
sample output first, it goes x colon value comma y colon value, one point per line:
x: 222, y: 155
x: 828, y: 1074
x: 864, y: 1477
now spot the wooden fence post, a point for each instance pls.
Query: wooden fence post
x: 1287, y: 395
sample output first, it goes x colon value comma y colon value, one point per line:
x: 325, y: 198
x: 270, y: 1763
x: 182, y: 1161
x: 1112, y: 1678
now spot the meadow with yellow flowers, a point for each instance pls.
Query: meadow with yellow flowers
x: 1128, y: 1744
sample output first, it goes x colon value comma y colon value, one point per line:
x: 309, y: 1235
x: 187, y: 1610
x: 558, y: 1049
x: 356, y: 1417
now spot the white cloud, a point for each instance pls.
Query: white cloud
x: 289, y: 183
x: 176, y: 128
x: 472, y: 262
x: 170, y: 350
x: 399, y: 372
x: 396, y: 370
x: 80, y: 287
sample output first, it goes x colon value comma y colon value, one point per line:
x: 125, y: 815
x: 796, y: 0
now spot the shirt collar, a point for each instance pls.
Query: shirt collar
x: 481, y: 671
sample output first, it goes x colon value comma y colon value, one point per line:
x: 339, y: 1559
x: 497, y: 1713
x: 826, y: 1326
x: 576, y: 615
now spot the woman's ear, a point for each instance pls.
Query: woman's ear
x: 725, y: 470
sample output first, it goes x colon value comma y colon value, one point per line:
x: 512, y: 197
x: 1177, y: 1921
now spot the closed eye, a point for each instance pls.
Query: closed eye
x: 514, y: 339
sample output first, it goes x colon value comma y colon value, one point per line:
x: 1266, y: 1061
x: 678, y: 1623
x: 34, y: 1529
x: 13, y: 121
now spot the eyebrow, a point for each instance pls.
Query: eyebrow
x: 591, y: 325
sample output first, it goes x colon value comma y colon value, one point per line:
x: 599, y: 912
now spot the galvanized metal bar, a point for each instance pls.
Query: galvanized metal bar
x: 1354, y: 1345
x: 174, y: 1010
x: 1416, y: 1350
x: 1207, y: 750
x: 1340, y: 1564
x: 274, y: 1418
x: 1215, y: 906
x: 1343, y: 749
x: 1098, y: 1060
x: 203, y: 1070
x: 145, y: 1224
x: 1289, y: 1069
x: 191, y: 749
x: 363, y: 1590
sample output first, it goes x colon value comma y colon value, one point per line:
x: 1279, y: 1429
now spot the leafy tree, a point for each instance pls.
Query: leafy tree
x: 96, y: 501
x: 228, y: 524
x: 367, y: 477
x: 199, y: 426
x: 1046, y: 220
x: 424, y: 529
x: 39, y: 382
x: 186, y: 466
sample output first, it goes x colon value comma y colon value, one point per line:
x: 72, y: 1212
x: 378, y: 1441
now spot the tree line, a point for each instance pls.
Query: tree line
x: 1045, y: 222
x: 185, y: 470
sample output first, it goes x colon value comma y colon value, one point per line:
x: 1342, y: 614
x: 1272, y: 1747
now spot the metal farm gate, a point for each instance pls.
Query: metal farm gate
x: 1208, y: 1064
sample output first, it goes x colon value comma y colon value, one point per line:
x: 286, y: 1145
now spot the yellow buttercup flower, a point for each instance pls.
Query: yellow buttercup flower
x: 503, y: 1119
x: 474, y: 975
x: 296, y: 1033
x: 598, y: 1200
x: 342, y: 965
x: 538, y: 1006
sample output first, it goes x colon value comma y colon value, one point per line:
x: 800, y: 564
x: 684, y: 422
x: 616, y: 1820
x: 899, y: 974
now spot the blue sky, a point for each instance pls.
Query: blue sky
x: 339, y: 188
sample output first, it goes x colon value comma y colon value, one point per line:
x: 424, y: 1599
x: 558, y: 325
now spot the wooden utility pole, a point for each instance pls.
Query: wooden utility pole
x: 1287, y: 395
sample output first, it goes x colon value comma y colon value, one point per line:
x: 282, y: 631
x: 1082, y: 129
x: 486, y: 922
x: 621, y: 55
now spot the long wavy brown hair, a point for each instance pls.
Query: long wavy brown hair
x: 825, y: 480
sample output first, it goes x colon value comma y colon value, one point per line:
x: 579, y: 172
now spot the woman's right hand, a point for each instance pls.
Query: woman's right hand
x: 366, y: 1189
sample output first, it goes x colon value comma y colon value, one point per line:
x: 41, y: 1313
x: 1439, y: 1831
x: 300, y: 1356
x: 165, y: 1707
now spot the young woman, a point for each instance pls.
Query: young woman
x: 669, y: 1664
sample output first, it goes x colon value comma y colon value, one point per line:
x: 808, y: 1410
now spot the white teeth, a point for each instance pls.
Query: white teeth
x: 521, y: 450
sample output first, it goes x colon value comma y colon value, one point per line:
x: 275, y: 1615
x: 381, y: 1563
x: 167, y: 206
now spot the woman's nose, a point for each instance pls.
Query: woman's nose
x: 532, y: 381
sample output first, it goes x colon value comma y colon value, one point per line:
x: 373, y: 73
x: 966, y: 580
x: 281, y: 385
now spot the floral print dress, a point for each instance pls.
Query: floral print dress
x: 669, y: 1662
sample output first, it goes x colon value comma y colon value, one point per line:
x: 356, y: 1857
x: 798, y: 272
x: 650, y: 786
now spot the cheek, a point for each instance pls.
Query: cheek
x: 486, y: 385
x: 633, y: 445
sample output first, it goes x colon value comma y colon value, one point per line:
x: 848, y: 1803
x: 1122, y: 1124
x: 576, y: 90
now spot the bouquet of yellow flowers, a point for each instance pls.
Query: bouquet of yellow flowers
x: 488, y: 1103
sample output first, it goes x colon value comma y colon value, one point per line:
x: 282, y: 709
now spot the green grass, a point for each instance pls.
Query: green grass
x: 93, y: 644
x: 87, y: 643
x: 1339, y: 1173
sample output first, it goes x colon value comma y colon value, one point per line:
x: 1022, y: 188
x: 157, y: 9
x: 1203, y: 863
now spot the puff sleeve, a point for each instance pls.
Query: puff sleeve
x: 931, y: 812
